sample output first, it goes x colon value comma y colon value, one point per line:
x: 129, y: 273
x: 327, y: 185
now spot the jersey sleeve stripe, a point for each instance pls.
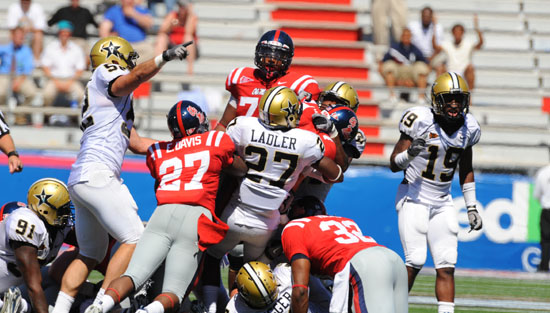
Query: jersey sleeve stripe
x: 230, y: 78
x: 219, y: 136
x: 151, y: 152
x: 237, y: 75
x: 157, y: 149
x: 209, y: 139
x: 307, y: 83
x: 299, y: 81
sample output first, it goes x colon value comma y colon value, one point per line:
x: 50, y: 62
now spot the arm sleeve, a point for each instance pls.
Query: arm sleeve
x: 234, y: 132
x: 228, y: 148
x: 54, y: 19
x: 91, y: 18
x: 106, y: 74
x: 412, y: 123
x: 4, y: 128
x: 24, y: 228
x: 292, y: 239
x: 150, y: 161
x: 110, y: 14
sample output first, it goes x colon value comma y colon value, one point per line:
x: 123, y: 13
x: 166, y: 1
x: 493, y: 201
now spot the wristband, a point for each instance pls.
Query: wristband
x: 469, y: 192
x: 300, y: 286
x: 403, y: 159
x: 159, y: 61
x: 339, y: 174
x: 13, y: 153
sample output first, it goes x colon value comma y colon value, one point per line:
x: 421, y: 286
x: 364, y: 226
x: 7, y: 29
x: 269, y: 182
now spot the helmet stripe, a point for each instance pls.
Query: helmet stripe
x: 269, y: 99
x: 276, y: 36
x: 180, y: 122
x: 454, y: 78
x: 337, y: 86
x: 257, y: 281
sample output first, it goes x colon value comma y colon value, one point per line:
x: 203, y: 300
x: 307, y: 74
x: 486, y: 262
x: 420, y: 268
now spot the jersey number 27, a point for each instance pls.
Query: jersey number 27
x: 172, y: 181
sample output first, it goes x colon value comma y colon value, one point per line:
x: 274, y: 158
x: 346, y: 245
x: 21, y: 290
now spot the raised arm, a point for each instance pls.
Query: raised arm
x: 479, y: 34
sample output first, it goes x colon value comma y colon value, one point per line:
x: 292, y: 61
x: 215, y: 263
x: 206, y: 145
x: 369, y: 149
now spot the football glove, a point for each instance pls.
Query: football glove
x: 324, y: 123
x: 178, y: 51
x: 417, y: 145
x: 474, y: 218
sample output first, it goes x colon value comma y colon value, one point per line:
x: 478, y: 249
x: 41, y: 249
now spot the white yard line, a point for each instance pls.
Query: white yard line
x: 488, y: 303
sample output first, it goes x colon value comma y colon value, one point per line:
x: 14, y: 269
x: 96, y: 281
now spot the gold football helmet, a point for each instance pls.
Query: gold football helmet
x: 49, y: 198
x: 257, y: 285
x: 450, y: 96
x: 342, y: 93
x: 114, y: 50
x: 280, y: 108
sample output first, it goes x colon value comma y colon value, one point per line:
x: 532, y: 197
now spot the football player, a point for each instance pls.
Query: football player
x: 262, y: 290
x: 433, y: 142
x: 334, y: 246
x: 339, y: 100
x: 186, y: 172
x: 31, y: 237
x: 7, y: 146
x: 276, y: 152
x: 103, y: 203
x: 273, y: 56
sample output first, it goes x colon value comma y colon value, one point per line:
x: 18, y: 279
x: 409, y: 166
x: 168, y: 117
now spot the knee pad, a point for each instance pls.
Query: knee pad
x: 446, y: 258
x: 416, y: 258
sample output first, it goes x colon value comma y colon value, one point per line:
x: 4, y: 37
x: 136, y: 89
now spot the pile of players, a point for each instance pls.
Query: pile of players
x: 252, y: 188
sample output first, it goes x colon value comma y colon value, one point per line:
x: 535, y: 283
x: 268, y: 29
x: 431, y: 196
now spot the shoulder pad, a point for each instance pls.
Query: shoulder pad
x: 415, y: 121
x: 474, y: 130
x: 237, y: 75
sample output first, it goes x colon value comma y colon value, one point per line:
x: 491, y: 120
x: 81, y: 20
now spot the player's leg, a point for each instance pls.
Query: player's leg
x: 93, y: 243
x: 121, y: 220
x: 150, y: 252
x: 211, y: 278
x: 255, y: 241
x: 378, y: 281
x: 443, y: 241
x: 413, y: 227
x: 183, y: 259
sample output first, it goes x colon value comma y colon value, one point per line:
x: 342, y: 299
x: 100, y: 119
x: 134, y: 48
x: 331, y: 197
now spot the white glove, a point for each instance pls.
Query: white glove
x: 417, y: 145
x: 474, y: 218
x: 178, y: 51
x: 324, y: 123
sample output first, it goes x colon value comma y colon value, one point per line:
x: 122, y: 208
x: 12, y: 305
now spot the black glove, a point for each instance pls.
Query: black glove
x: 417, y: 145
x: 178, y: 51
x: 474, y: 218
x: 324, y: 123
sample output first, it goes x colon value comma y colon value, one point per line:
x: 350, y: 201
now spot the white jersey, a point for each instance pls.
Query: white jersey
x: 429, y: 175
x: 319, y: 296
x: 275, y: 159
x: 24, y: 225
x: 106, y: 121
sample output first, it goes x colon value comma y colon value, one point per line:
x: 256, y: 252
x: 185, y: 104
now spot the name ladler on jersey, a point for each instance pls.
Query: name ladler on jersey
x: 274, y: 140
x: 185, y: 142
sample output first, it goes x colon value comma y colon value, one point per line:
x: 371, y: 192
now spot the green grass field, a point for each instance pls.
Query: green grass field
x: 492, y: 289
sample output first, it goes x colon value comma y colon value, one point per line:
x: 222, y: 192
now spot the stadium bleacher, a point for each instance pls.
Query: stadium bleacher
x: 512, y: 99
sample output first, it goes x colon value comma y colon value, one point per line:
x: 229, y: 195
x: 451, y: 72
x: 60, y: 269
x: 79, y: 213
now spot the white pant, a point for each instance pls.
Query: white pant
x: 103, y: 206
x: 421, y: 224
x: 254, y: 239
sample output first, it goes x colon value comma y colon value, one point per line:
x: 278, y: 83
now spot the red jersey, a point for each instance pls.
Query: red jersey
x: 329, y: 242
x: 247, y: 88
x: 187, y: 170
x: 306, y: 122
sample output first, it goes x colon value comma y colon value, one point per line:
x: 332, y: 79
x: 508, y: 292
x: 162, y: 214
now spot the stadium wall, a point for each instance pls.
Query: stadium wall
x: 508, y: 241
